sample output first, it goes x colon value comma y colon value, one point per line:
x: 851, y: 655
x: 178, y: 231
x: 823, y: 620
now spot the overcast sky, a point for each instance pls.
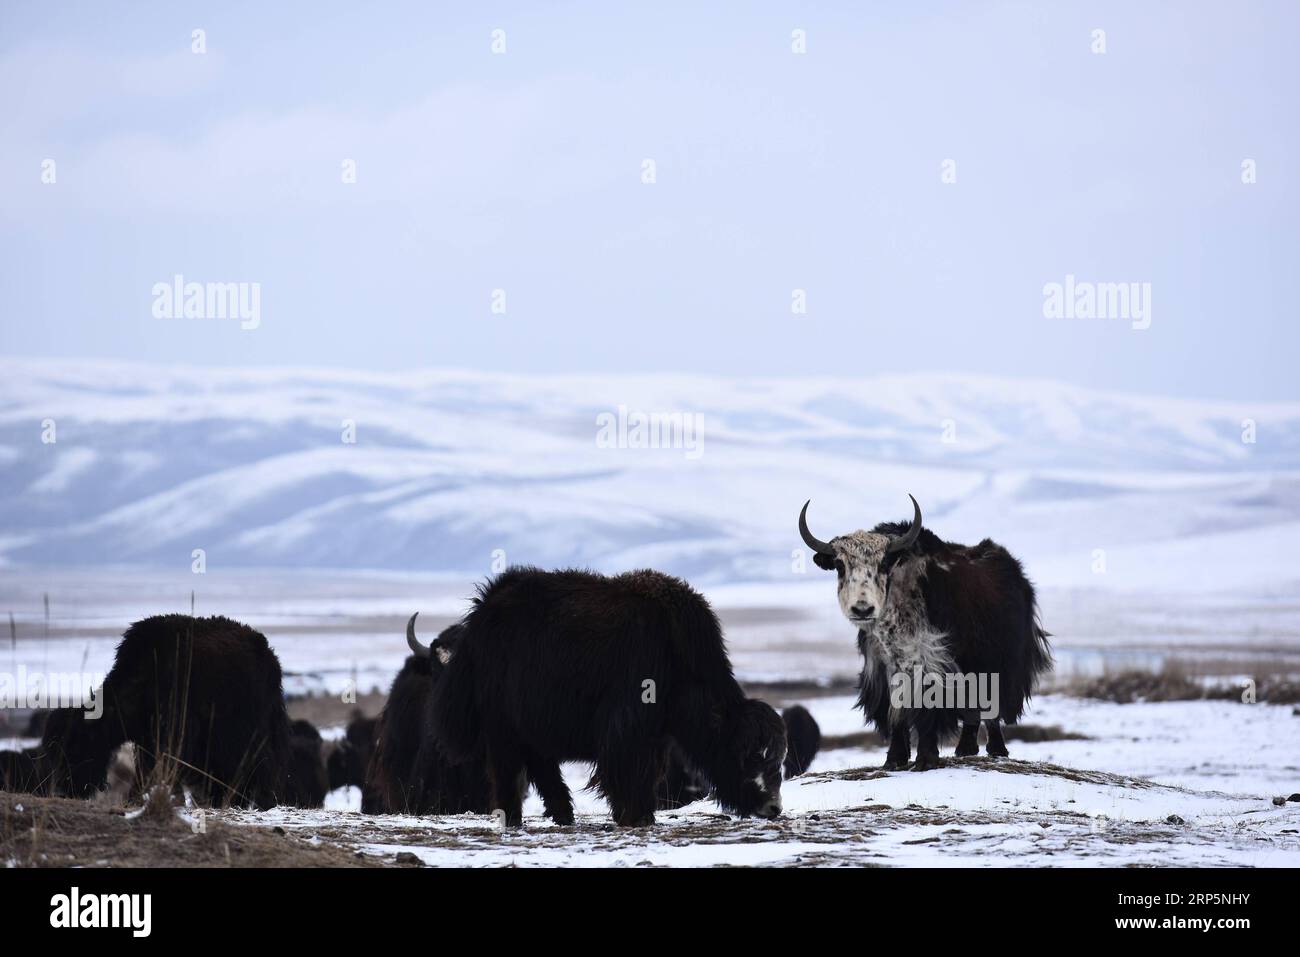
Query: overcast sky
x: 774, y: 171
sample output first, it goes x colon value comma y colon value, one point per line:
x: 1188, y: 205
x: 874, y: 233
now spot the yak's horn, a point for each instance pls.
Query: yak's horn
x: 913, y: 533
x: 417, y: 649
x: 816, y: 544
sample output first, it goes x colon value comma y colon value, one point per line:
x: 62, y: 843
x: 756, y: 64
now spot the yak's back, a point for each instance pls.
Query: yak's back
x: 221, y: 643
x: 589, y: 606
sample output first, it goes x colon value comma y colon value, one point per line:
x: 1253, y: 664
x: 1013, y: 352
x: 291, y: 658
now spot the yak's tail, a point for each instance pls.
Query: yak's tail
x: 1036, y: 658
x: 1039, y: 653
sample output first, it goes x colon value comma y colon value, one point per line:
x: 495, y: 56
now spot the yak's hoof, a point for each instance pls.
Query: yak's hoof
x: 562, y: 818
x: 894, y: 765
x: 965, y: 750
x: 646, y: 820
x: 999, y: 752
x: 926, y: 762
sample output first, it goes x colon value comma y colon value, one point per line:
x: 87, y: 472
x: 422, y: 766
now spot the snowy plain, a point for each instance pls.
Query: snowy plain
x: 1156, y: 533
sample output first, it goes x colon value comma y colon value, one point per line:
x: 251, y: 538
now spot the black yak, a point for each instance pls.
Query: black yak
x: 201, y: 695
x: 683, y: 784
x: 935, y: 621
x: 576, y: 666
x: 407, y: 773
x: 36, y: 723
x: 803, y: 738
x: 307, y: 779
x: 19, y: 770
x: 348, y: 760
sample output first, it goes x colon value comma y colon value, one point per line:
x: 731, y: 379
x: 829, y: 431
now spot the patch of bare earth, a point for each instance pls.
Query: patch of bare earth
x: 62, y: 832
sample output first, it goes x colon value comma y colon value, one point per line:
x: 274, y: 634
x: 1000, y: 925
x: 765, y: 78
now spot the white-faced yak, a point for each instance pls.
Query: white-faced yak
x: 953, y: 626
x: 407, y: 773
x: 575, y: 666
x: 200, y: 696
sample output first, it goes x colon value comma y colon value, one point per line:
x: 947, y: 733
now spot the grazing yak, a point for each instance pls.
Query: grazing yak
x: 576, y: 666
x: 202, y: 694
x: 407, y: 773
x: 308, y: 783
x: 682, y: 784
x: 923, y: 606
x: 348, y: 760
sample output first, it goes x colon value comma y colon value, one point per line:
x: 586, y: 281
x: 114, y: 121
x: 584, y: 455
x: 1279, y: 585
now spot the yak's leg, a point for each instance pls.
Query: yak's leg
x: 508, y: 781
x: 900, y: 745
x: 549, y: 781
x: 629, y: 770
x: 997, y: 748
x: 968, y: 744
x: 927, y: 743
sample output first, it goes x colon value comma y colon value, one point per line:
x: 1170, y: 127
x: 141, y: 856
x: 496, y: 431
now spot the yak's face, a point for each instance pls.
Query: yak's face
x: 868, y: 565
x: 753, y: 786
x: 444, y: 648
x: 863, y: 565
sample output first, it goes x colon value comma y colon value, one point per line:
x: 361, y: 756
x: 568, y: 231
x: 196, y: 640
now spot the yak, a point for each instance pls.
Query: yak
x: 348, y: 760
x: 407, y: 773
x: 308, y: 783
x: 926, y: 607
x: 201, y: 697
x: 576, y: 666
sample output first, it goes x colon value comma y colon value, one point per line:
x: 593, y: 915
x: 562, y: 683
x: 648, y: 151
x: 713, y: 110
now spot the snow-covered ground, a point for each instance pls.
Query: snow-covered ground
x: 1182, y: 783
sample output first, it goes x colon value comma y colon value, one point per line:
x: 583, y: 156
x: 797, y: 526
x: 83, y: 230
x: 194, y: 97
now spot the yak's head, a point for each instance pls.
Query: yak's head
x: 748, y: 778
x: 865, y: 563
x: 441, y: 650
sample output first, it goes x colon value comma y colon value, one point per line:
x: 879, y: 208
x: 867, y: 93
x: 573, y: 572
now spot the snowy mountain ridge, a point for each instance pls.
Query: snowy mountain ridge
x: 108, y: 462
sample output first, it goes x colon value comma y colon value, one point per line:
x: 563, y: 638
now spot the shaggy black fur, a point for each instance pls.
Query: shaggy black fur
x: 204, y: 690
x: 575, y: 666
x: 803, y: 737
x: 308, y: 783
x: 979, y: 597
x: 407, y: 773
x: 19, y: 771
x: 36, y: 723
x: 681, y: 783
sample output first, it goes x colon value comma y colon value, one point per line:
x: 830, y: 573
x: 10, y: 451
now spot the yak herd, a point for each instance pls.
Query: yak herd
x: 628, y: 673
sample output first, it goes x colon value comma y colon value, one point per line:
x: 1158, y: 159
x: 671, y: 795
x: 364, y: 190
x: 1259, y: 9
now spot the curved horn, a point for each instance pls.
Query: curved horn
x: 913, y: 533
x: 816, y: 544
x: 417, y: 649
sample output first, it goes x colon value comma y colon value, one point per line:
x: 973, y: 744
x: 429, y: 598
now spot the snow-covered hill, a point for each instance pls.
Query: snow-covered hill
x: 149, y: 463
